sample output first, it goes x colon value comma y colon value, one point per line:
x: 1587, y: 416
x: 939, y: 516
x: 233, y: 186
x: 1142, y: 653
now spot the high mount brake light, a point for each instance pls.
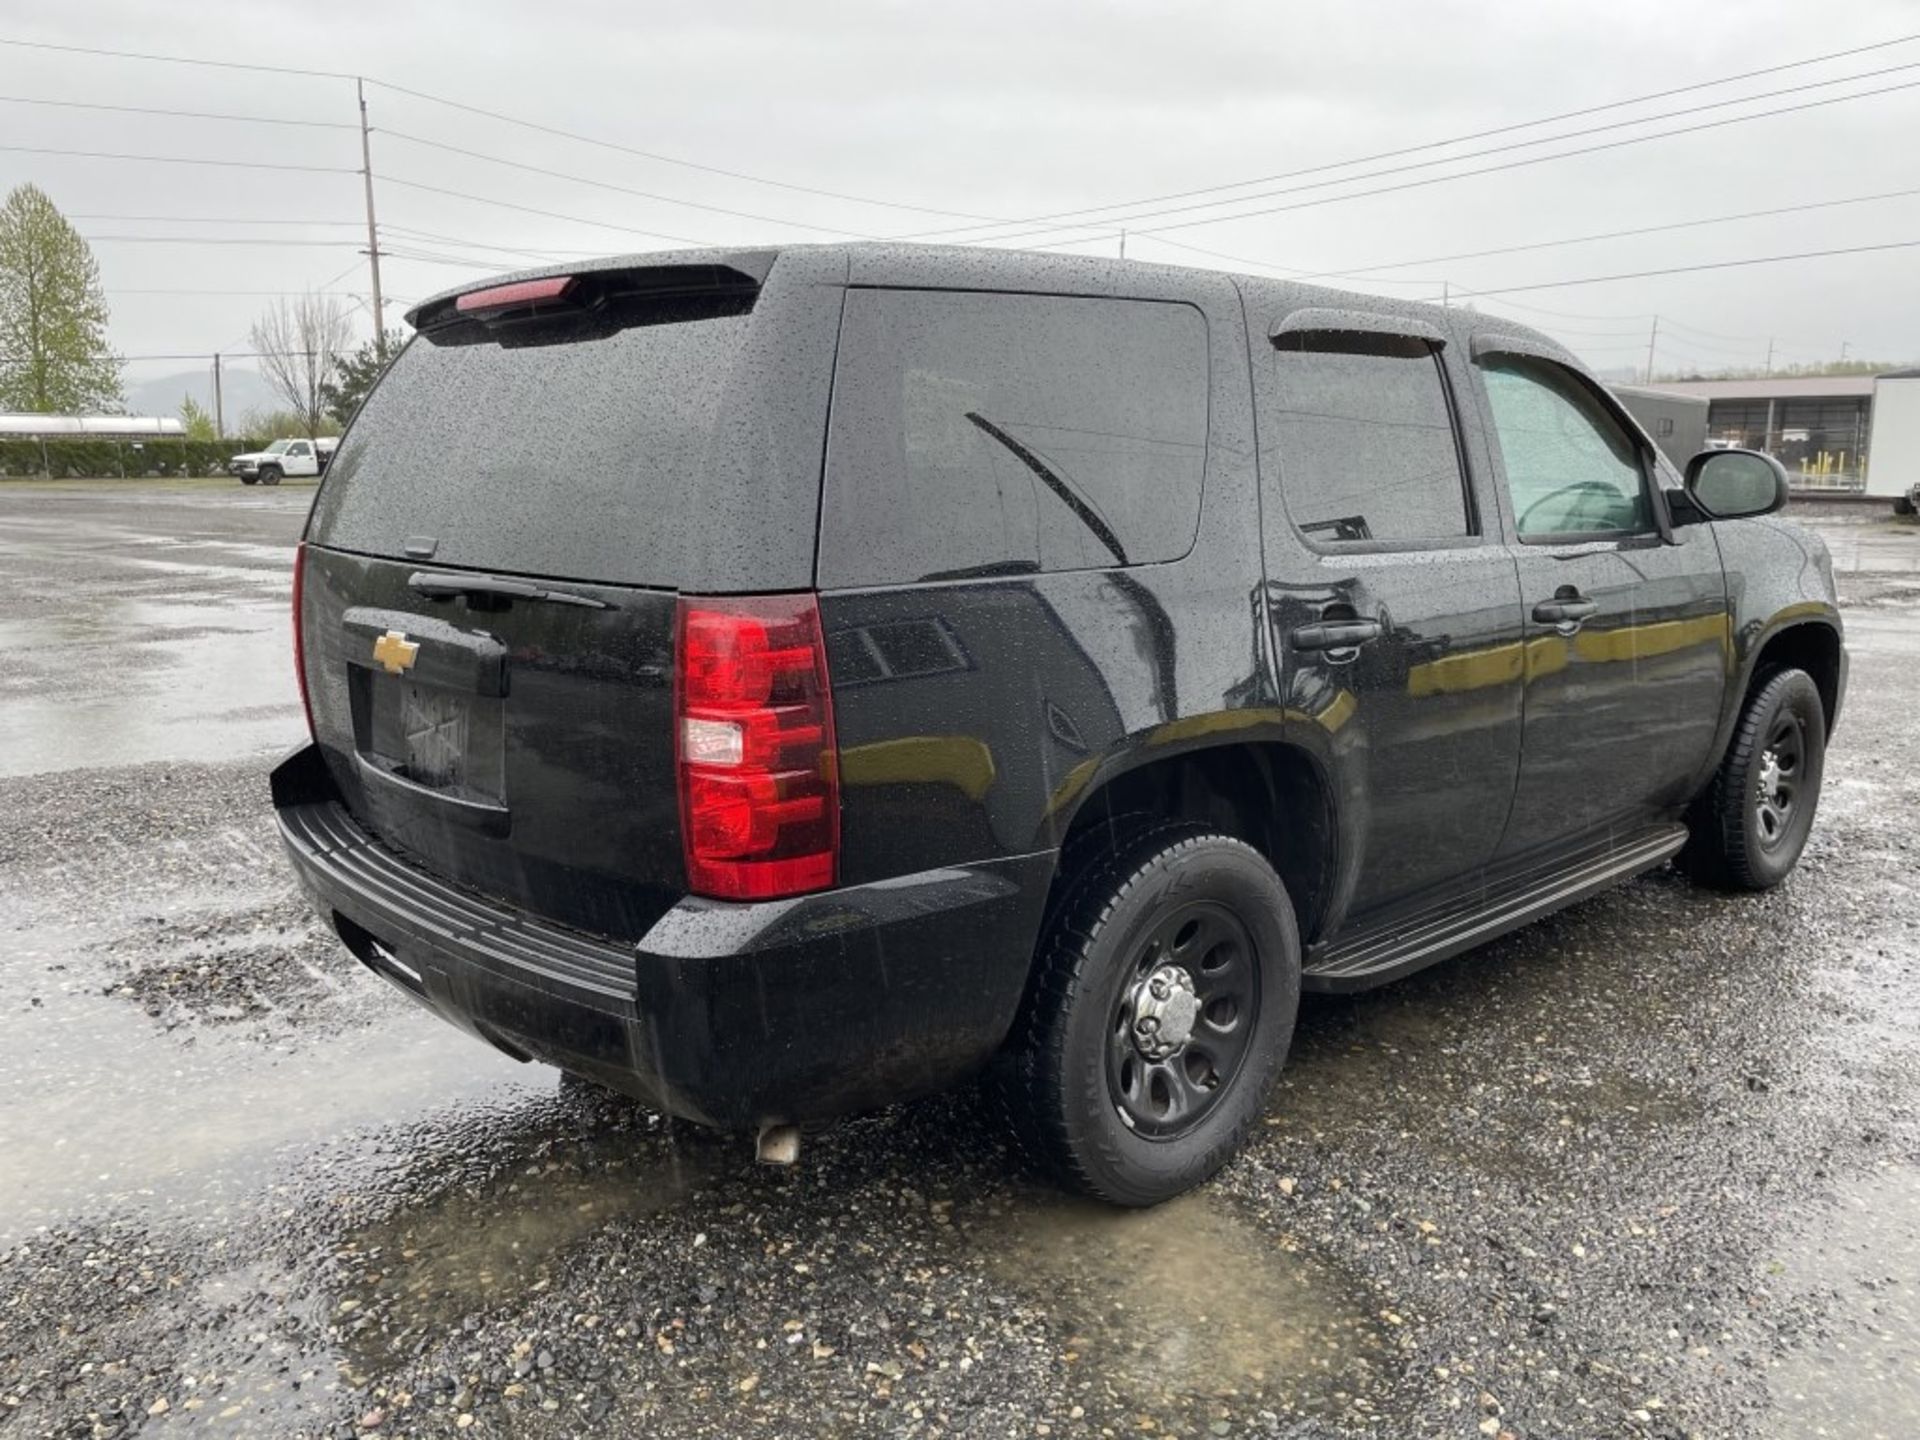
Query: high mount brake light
x: 754, y: 749
x: 299, y: 637
x: 521, y: 292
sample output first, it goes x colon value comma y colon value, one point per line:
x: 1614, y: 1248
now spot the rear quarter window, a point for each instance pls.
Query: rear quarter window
x: 980, y: 434
x: 1359, y: 429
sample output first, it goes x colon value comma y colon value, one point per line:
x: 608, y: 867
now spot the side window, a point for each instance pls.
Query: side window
x: 1359, y: 429
x: 983, y: 434
x: 1572, y: 467
x: 299, y: 447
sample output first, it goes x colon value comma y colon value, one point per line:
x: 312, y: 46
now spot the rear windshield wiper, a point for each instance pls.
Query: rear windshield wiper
x: 1081, y: 507
x: 445, y: 587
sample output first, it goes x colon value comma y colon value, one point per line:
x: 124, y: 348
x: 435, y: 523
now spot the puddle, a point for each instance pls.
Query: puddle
x: 100, y: 1109
x: 1861, y: 1379
x: 1183, y: 1302
x: 419, y: 1272
x: 199, y: 682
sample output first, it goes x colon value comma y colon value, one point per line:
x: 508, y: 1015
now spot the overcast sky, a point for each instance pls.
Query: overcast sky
x: 1005, y: 111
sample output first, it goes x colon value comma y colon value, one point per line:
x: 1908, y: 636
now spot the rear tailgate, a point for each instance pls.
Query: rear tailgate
x: 496, y: 554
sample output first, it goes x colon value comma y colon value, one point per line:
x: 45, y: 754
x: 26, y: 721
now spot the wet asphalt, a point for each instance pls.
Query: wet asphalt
x: 1648, y: 1168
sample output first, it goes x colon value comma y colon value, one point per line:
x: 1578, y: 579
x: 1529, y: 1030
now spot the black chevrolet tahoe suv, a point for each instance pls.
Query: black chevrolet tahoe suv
x: 776, y: 683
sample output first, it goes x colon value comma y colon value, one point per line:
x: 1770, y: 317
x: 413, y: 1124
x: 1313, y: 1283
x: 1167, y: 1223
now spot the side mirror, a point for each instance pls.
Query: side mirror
x: 1735, y: 484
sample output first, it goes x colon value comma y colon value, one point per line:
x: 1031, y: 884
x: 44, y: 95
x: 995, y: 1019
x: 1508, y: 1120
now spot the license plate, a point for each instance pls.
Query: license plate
x: 434, y: 734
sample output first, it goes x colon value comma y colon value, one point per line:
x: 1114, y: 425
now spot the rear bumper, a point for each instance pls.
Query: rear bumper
x: 730, y: 1015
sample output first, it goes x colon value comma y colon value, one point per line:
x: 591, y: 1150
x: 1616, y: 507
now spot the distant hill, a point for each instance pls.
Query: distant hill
x: 241, y: 390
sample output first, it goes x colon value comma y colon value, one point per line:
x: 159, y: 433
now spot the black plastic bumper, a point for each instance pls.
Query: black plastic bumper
x: 731, y: 1015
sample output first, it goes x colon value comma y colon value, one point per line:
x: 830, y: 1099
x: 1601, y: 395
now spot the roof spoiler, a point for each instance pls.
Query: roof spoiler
x: 554, y: 294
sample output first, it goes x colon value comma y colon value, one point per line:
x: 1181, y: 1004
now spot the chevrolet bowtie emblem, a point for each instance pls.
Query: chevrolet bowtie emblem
x: 395, y: 651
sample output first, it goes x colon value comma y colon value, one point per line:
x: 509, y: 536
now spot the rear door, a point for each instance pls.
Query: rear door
x: 1392, y: 604
x: 1627, y: 631
x: 495, y: 556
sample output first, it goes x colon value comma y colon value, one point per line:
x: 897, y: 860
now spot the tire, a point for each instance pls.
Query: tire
x: 249, y: 479
x: 269, y: 474
x: 1749, y: 827
x: 1085, y: 1100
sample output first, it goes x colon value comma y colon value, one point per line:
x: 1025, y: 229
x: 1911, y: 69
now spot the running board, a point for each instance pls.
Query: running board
x: 1382, y: 953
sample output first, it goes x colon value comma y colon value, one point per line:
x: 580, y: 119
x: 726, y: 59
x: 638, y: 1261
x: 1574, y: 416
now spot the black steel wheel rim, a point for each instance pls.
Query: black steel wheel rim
x: 1164, y: 1097
x: 1782, y: 773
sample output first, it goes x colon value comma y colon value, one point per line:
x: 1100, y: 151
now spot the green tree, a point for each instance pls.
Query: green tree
x: 196, y: 420
x: 53, y: 315
x: 348, y: 390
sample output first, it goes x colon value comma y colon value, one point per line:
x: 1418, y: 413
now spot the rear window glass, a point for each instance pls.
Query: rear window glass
x: 979, y: 434
x: 1359, y: 430
x: 568, y: 453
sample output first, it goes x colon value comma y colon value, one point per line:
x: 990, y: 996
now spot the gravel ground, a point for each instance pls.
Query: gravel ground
x: 1649, y: 1168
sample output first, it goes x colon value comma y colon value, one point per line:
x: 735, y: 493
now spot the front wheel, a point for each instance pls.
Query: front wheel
x: 1163, y: 1005
x: 249, y: 479
x: 1750, y: 826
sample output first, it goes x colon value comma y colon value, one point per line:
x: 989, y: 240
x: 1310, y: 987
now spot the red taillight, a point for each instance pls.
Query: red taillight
x: 753, y: 737
x: 299, y: 638
x: 521, y: 292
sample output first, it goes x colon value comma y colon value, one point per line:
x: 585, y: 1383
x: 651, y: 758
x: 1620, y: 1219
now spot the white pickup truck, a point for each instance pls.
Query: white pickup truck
x: 281, y: 459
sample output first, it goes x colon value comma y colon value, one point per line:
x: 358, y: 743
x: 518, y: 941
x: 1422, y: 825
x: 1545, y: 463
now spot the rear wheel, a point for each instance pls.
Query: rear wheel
x: 1163, y: 1006
x: 1750, y: 826
x: 269, y: 474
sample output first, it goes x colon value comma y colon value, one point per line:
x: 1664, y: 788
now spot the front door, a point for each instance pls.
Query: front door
x: 1627, y: 629
x: 1393, y: 611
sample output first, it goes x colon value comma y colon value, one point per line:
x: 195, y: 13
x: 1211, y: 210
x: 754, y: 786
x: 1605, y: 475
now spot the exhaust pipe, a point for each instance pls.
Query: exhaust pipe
x: 778, y: 1145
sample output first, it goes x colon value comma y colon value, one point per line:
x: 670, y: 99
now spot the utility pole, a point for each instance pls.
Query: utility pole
x: 219, y: 415
x: 1123, y: 242
x: 1652, y: 336
x: 1769, y: 354
x: 1843, y: 350
x: 1446, y: 295
x: 373, y: 233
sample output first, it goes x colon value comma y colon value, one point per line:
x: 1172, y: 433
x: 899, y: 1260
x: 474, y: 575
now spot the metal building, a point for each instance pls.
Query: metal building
x: 1819, y: 425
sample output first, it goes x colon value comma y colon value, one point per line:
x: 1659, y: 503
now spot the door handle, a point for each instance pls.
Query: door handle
x: 1566, y: 610
x: 1335, y: 634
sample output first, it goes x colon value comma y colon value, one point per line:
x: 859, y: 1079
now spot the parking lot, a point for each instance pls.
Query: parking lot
x: 1651, y: 1167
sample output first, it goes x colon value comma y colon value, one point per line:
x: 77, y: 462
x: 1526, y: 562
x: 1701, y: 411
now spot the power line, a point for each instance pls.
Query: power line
x: 1450, y: 140
x: 1571, y: 314
x: 1690, y: 269
x: 532, y: 210
x: 181, y: 160
x: 202, y: 219
x: 1367, y: 270
x: 1482, y: 170
x: 685, y: 164
x: 1512, y: 164
x: 190, y: 355
x: 178, y: 59
x: 539, y: 252
x: 261, y: 240
x: 1291, y: 272
x: 516, y: 120
x: 176, y: 114
x: 430, y: 258
x: 598, y: 184
x: 259, y: 294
